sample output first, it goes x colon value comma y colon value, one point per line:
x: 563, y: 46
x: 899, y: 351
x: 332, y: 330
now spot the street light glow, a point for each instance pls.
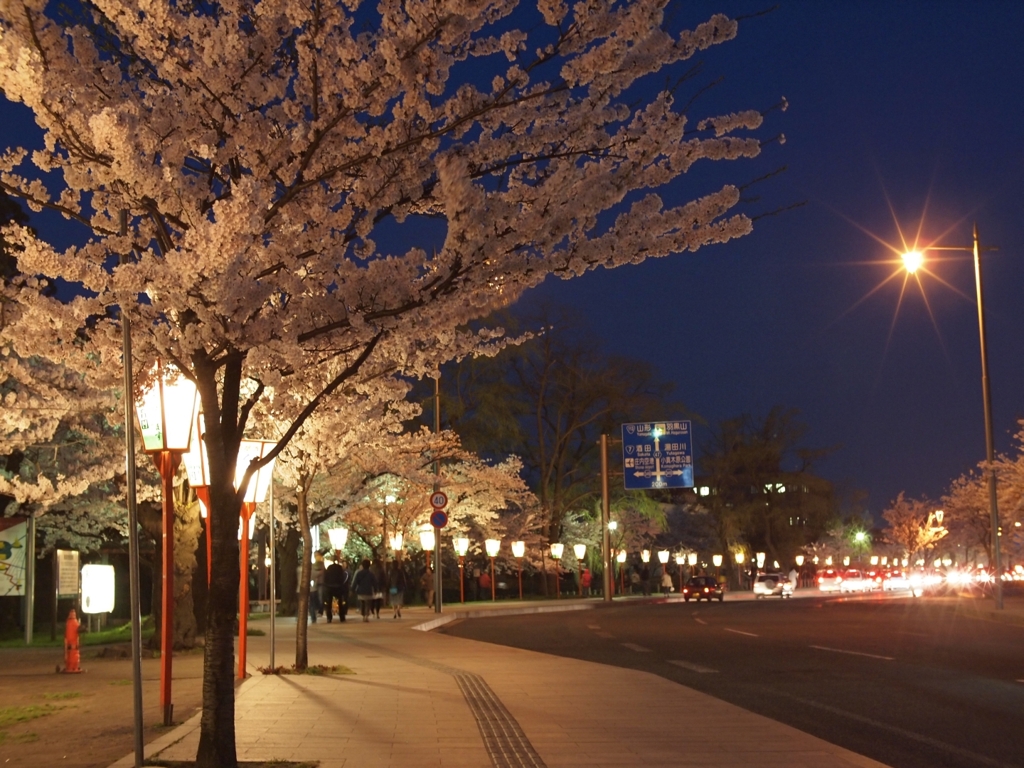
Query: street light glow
x: 912, y: 261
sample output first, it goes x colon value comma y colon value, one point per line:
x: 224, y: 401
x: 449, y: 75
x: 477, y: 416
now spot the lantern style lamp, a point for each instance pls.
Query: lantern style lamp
x: 760, y: 560
x: 97, y: 588
x: 716, y: 560
x: 427, y: 542
x: 645, y: 555
x: 580, y: 550
x: 680, y: 562
x: 461, y: 548
x: 740, y: 558
x: 492, y: 547
x: 396, y: 541
x: 338, y: 537
x: 556, y: 554
x: 828, y: 560
x: 799, y: 561
x: 846, y: 561
x: 166, y: 412
x: 885, y: 560
x: 691, y: 559
x: 518, y: 550
x: 663, y: 556
x: 874, y: 560
x: 197, y: 467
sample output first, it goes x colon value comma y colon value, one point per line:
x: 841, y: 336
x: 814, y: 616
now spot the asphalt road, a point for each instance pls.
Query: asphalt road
x: 911, y: 683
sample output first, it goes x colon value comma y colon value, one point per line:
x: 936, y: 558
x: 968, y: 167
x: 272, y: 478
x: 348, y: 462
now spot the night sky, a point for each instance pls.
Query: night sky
x: 913, y: 106
x: 897, y: 109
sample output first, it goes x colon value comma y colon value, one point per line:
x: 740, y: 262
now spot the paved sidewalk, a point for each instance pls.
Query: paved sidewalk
x: 423, y: 699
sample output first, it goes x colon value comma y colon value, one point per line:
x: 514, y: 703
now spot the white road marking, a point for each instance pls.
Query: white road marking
x: 593, y: 626
x: 740, y: 632
x: 695, y: 667
x: 607, y: 635
x: 853, y: 653
x: 637, y: 648
x: 701, y: 621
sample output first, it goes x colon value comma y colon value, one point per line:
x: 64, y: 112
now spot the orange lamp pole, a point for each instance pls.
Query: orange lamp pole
x: 248, y: 508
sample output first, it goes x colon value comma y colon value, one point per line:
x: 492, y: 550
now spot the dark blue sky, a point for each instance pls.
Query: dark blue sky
x: 917, y: 105
x: 912, y: 105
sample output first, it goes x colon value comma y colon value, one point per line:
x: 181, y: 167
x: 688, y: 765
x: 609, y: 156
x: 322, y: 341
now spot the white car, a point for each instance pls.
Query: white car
x: 769, y: 584
x: 855, y: 581
x: 895, y: 579
x: 830, y: 580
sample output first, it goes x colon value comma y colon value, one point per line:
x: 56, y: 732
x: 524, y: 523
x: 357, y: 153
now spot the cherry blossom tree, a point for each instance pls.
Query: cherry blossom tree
x: 912, y: 525
x: 240, y: 160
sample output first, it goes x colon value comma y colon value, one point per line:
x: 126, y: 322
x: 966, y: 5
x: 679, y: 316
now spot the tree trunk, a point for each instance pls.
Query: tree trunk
x: 288, y: 589
x: 217, y: 726
x: 149, y: 520
x: 187, y: 528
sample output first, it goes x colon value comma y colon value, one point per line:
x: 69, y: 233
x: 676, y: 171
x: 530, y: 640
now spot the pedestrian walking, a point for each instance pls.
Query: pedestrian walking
x: 364, y: 584
x: 316, y: 583
x: 474, y: 585
x: 666, y: 582
x: 645, y: 580
x: 378, y: 595
x: 586, y: 579
x: 336, y: 588
x: 427, y: 585
x: 484, y: 579
x: 396, y: 590
x: 794, y: 577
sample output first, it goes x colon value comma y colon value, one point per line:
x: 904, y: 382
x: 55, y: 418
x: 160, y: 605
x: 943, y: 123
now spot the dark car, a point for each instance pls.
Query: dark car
x: 703, y: 587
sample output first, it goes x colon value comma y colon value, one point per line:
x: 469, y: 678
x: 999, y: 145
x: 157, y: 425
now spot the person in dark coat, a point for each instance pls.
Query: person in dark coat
x: 364, y: 584
x: 336, y: 588
x: 397, y: 586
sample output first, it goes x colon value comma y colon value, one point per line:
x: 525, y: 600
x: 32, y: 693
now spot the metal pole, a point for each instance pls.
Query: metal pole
x: 133, y: 522
x: 606, y: 539
x: 273, y: 575
x: 30, y: 578
x: 166, y: 464
x: 997, y: 571
x: 438, y: 582
x: 493, y: 593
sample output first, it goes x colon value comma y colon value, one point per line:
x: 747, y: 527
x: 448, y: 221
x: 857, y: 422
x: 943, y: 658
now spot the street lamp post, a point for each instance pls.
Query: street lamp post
x: 461, y: 548
x: 493, y: 546
x: 166, y: 413
x: 621, y: 557
x: 580, y: 550
x: 680, y: 561
x: 691, y: 560
x: 740, y: 558
x: 717, y: 562
x: 197, y: 467
x: 556, y: 555
x: 255, y: 492
x: 912, y: 260
x: 427, y: 540
x: 663, y: 556
x: 518, y: 550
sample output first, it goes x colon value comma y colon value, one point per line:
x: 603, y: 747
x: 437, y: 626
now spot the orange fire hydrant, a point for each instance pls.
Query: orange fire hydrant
x: 72, y: 657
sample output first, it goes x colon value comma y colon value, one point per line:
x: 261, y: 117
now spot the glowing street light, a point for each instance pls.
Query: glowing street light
x: 691, y: 559
x: 493, y: 546
x: 556, y: 554
x: 799, y: 561
x: 518, y: 550
x: 461, y: 548
x: 663, y: 556
x: 645, y: 555
x: 427, y: 542
x: 580, y: 550
x: 917, y: 261
x: 166, y: 412
x: 680, y: 561
x: 338, y: 537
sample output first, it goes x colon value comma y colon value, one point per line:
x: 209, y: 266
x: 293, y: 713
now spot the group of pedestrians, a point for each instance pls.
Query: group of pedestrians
x: 333, y: 584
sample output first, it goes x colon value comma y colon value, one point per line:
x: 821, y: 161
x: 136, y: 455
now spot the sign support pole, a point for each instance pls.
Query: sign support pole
x: 438, y: 581
x: 30, y: 578
x: 606, y: 539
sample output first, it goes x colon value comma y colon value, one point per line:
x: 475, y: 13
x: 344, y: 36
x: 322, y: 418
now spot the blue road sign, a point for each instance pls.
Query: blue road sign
x: 657, y: 454
x: 439, y: 518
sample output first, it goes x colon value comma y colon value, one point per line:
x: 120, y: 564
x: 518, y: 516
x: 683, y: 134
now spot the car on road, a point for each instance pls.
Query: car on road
x: 703, y: 588
x: 830, y: 580
x: 895, y: 579
x: 855, y: 581
x: 769, y: 584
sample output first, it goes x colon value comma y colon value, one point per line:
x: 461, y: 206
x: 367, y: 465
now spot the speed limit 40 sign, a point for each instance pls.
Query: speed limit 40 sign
x: 438, y: 500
